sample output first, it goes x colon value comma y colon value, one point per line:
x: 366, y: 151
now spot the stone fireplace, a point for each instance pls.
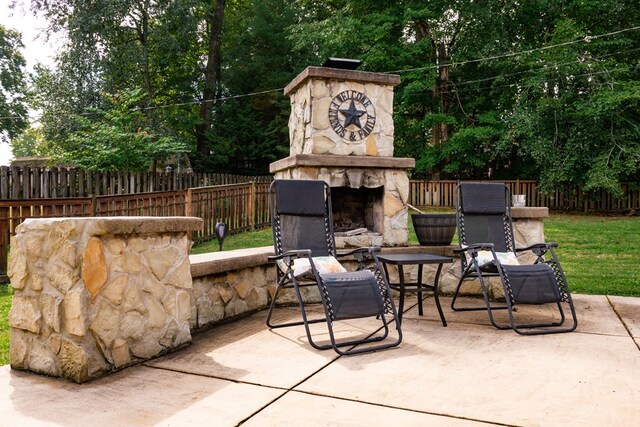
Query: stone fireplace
x: 341, y: 131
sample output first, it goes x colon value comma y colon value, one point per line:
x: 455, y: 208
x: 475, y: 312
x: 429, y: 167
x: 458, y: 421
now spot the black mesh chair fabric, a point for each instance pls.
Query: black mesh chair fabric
x: 300, y: 197
x: 484, y: 217
x: 301, y: 220
x: 532, y: 284
x: 305, y: 232
x: 486, y: 229
x: 483, y: 198
x: 353, y: 294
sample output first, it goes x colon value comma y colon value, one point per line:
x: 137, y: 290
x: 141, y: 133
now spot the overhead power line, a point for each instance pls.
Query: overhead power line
x: 585, y: 39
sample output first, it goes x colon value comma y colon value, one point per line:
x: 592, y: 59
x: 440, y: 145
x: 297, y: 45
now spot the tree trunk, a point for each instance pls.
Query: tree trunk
x: 212, y: 75
x: 440, y: 131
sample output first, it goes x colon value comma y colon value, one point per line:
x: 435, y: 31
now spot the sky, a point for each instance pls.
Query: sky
x: 37, y: 49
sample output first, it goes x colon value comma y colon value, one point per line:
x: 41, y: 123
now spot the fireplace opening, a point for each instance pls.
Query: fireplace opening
x: 358, y: 208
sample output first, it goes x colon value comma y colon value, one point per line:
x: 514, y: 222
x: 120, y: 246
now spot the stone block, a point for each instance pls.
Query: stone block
x: 63, y: 278
x: 120, y: 354
x: 50, y: 305
x: 74, y: 362
x: 132, y: 326
x: 134, y: 299
x: 161, y: 261
x: 106, y: 324
x: 147, y: 347
x: 157, y: 316
x: 17, y: 268
x: 25, y: 314
x: 94, y: 267
x: 392, y: 205
x: 114, y: 290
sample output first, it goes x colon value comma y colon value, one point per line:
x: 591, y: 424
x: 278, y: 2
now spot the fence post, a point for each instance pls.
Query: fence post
x: 94, y: 205
x: 4, y: 183
x: 187, y: 202
x: 252, y: 205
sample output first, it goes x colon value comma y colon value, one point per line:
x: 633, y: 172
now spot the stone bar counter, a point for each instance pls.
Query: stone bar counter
x: 94, y: 295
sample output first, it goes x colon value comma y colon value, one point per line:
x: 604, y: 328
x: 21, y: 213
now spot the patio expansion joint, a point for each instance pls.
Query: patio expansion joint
x: 215, y: 377
x: 626, y: 327
x: 401, y: 408
x: 287, y: 390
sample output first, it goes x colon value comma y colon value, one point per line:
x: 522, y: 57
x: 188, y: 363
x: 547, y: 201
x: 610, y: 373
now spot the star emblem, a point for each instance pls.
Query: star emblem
x: 352, y: 115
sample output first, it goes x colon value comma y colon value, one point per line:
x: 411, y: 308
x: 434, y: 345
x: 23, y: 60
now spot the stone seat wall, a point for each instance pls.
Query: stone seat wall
x: 93, y: 296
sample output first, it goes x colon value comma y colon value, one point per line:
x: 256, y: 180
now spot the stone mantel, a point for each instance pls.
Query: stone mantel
x: 340, y: 74
x: 336, y: 161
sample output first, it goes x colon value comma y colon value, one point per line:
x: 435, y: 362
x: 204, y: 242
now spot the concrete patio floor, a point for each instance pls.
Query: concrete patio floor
x: 468, y: 373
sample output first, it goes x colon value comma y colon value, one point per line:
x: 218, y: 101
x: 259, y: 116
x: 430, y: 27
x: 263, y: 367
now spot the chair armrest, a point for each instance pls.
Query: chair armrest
x: 546, y: 245
x: 474, y: 247
x: 301, y: 253
x: 355, y: 252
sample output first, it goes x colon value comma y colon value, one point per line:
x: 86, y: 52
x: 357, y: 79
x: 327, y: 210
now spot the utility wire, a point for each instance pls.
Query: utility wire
x: 584, y: 39
x: 488, y: 58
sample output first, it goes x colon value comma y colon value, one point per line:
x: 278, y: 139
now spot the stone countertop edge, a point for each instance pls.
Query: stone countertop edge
x: 340, y: 74
x: 529, y: 212
x: 123, y: 225
x: 340, y: 161
x: 221, y: 262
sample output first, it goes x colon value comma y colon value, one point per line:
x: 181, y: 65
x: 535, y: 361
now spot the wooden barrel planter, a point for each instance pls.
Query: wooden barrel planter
x: 434, y: 229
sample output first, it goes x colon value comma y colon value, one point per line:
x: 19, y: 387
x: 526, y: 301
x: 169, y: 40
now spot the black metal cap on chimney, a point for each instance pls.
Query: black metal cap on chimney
x: 342, y: 63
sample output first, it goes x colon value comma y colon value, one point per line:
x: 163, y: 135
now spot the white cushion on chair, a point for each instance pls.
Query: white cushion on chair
x: 508, y: 258
x: 324, y: 265
x: 485, y: 258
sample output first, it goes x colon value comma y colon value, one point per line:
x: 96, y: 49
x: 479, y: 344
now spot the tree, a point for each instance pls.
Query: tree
x: 29, y: 143
x: 214, y: 16
x: 13, y: 109
x: 119, y: 139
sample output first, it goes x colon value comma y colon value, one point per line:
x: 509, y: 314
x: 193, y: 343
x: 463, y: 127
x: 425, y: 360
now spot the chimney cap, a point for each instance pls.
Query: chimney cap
x: 342, y: 63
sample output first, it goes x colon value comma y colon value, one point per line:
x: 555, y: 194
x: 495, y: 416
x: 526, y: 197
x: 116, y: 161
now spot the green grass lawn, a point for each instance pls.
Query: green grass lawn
x: 6, y: 292
x: 599, y: 254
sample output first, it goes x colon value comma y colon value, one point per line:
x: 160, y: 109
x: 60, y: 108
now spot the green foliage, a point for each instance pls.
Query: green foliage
x: 542, y: 90
x: 13, y: 110
x: 6, y: 295
x: 120, y: 140
x: 30, y: 143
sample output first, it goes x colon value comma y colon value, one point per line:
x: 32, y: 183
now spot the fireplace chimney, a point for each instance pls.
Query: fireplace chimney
x: 341, y: 131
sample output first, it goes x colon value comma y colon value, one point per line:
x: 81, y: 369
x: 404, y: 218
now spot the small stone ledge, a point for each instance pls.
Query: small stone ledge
x: 121, y: 225
x: 529, y: 213
x: 221, y: 262
x: 239, y: 259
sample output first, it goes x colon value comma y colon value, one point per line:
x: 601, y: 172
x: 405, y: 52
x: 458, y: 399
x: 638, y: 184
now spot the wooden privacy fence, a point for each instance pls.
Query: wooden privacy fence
x: 43, y: 183
x: 442, y: 194
x: 241, y: 206
x: 245, y: 206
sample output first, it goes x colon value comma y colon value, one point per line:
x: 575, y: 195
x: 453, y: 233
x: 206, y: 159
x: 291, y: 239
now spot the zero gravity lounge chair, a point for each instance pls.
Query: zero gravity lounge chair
x: 487, y: 249
x: 302, y: 223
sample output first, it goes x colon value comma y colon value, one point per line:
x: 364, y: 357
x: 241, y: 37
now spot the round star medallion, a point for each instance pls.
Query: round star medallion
x: 352, y: 115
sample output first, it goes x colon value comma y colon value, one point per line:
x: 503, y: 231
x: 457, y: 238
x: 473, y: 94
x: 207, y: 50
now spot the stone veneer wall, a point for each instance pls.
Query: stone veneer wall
x: 311, y: 94
x: 93, y: 295
x: 233, y: 283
